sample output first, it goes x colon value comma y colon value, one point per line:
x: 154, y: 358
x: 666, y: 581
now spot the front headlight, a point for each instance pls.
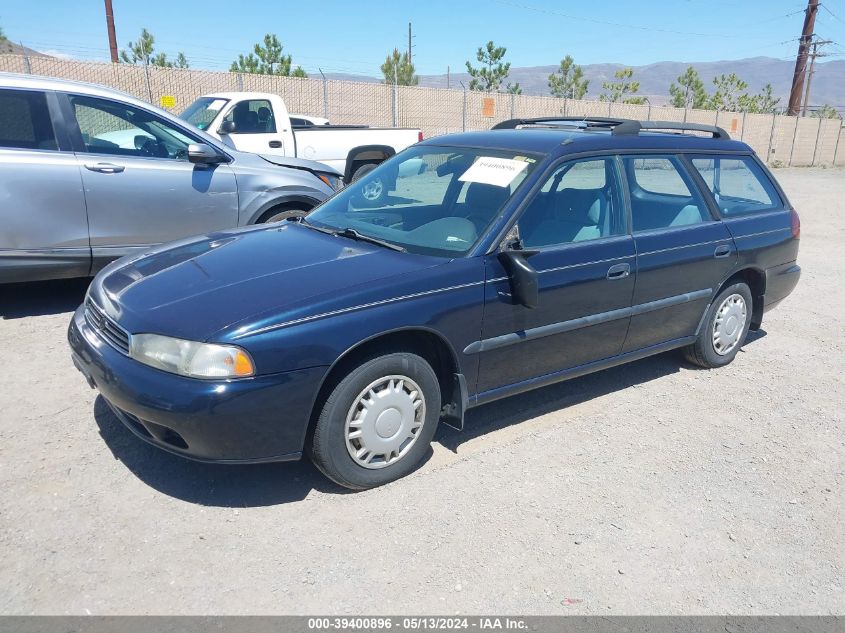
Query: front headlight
x: 335, y: 182
x: 190, y: 358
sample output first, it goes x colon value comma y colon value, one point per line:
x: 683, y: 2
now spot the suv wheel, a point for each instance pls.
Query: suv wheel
x: 724, y: 328
x: 274, y: 215
x: 377, y: 423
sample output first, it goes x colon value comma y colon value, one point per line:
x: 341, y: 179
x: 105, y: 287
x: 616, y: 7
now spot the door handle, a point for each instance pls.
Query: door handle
x: 105, y: 168
x: 619, y: 271
x: 275, y: 144
x: 723, y: 250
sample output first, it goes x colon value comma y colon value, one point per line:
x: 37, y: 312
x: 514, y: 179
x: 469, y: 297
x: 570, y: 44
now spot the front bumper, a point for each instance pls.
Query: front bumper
x: 258, y: 419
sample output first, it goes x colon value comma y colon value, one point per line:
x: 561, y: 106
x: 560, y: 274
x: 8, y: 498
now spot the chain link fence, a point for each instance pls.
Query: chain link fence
x: 780, y: 140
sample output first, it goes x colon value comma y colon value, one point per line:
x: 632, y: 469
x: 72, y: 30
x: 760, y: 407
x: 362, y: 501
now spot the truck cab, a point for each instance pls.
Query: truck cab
x: 261, y: 123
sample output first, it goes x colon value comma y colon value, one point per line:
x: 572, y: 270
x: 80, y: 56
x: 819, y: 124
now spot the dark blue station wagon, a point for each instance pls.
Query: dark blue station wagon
x: 468, y: 268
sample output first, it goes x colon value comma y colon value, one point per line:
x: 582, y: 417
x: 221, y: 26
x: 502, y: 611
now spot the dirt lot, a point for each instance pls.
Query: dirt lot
x: 650, y: 488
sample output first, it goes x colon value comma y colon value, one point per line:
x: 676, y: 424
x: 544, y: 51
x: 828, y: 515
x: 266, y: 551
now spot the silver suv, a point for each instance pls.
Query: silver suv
x: 89, y: 174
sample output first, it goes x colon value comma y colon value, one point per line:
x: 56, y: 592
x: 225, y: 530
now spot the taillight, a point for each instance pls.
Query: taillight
x: 796, y: 224
x: 419, y: 136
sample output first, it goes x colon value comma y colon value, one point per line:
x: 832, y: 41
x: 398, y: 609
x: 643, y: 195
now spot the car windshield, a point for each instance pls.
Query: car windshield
x: 202, y: 111
x: 428, y: 200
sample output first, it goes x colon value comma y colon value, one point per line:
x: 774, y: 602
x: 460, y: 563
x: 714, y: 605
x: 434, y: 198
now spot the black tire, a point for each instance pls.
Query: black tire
x: 704, y: 352
x: 277, y: 215
x: 328, y: 448
x: 363, y: 170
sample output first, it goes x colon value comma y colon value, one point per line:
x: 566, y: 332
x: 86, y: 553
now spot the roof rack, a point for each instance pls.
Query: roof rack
x: 618, y: 127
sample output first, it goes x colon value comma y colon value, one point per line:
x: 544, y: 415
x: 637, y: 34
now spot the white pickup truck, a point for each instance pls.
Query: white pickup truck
x: 260, y: 123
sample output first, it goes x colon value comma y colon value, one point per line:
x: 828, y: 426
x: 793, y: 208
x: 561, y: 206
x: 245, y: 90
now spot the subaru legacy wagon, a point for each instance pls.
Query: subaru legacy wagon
x: 504, y: 261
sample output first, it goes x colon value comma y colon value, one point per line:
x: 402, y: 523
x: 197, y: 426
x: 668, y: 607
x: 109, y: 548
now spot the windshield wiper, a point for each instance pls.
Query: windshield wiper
x: 355, y: 235
x: 348, y: 232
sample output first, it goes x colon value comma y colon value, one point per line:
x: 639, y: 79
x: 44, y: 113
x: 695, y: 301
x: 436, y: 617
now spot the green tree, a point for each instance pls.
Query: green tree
x: 142, y: 51
x: 619, y: 91
x: 568, y: 81
x: 5, y: 44
x: 766, y: 102
x: 398, y: 68
x: 826, y: 111
x: 267, y: 60
x: 514, y: 89
x: 689, y: 92
x: 492, y: 72
x: 730, y: 94
x: 139, y: 51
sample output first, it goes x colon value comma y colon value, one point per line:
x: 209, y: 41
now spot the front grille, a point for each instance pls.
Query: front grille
x: 110, y: 331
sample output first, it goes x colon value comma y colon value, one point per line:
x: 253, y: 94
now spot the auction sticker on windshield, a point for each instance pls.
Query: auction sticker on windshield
x: 490, y: 170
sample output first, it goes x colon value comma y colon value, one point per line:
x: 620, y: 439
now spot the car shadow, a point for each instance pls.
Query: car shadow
x: 515, y: 409
x: 39, y: 298
x: 256, y: 485
x: 233, y: 486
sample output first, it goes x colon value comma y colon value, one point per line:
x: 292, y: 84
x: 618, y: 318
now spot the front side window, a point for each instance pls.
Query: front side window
x: 108, y: 127
x: 429, y: 200
x: 738, y: 184
x: 662, y: 194
x: 254, y: 116
x: 579, y: 201
x: 25, y: 121
x: 203, y: 111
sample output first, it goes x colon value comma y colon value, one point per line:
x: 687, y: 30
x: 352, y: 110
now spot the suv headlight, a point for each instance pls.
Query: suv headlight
x: 190, y: 358
x: 335, y: 182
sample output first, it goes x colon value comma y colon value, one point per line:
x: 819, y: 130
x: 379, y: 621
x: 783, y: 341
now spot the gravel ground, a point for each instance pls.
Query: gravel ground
x: 649, y: 488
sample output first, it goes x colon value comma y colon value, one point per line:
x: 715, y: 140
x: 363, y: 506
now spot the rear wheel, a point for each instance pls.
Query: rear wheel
x: 378, y: 421
x: 724, y: 328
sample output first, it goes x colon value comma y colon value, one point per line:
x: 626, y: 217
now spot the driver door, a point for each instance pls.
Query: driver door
x: 140, y: 189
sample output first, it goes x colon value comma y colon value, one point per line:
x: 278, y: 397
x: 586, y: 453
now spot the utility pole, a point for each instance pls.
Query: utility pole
x: 112, y: 36
x: 812, y: 70
x: 410, y: 46
x: 801, y: 60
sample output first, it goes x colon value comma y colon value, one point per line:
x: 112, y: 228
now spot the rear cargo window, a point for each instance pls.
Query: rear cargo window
x: 738, y: 184
x: 25, y: 121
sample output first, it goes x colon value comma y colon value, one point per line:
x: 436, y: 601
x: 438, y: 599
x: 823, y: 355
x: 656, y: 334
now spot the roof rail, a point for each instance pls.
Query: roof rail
x: 618, y: 127
x: 566, y: 121
x: 632, y: 128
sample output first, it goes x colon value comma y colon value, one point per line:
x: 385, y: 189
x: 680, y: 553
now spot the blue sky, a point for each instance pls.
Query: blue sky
x: 342, y: 36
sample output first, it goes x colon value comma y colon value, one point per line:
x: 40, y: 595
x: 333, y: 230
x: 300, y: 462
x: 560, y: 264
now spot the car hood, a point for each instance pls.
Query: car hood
x: 194, y: 289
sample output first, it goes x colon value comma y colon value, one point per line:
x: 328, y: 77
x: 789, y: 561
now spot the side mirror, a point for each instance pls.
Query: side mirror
x: 227, y: 127
x: 525, y: 288
x: 203, y: 154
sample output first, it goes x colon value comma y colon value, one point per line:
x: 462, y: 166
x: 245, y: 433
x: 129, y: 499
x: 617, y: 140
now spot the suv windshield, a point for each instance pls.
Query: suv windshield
x: 202, y: 111
x: 429, y: 200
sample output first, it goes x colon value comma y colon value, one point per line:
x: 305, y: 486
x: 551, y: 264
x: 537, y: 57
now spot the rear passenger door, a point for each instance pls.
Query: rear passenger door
x: 43, y: 224
x: 585, y: 264
x: 683, y: 251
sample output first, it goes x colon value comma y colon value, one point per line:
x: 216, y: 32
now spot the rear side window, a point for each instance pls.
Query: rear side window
x: 25, y: 121
x: 662, y: 194
x: 738, y: 184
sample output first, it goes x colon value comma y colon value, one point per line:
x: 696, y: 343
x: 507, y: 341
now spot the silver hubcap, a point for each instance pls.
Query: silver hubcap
x: 384, y: 421
x: 373, y: 189
x: 729, y: 324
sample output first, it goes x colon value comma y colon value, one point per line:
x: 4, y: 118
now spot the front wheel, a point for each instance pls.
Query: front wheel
x: 377, y: 423
x: 724, y: 329
x: 274, y: 215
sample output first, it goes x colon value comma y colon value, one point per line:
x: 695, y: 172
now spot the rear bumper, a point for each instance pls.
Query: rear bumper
x: 780, y: 282
x: 256, y: 419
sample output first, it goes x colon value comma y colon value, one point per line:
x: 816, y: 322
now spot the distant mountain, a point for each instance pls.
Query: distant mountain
x: 828, y: 82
